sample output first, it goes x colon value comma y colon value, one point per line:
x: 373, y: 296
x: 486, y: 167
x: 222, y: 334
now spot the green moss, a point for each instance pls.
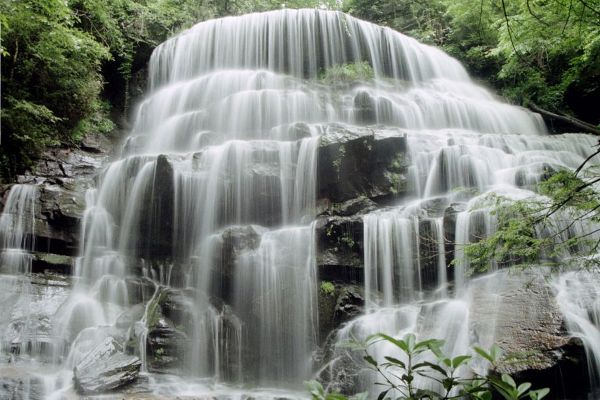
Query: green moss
x: 327, y: 288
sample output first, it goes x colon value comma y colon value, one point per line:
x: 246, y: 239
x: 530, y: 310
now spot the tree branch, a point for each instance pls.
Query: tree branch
x: 566, y: 118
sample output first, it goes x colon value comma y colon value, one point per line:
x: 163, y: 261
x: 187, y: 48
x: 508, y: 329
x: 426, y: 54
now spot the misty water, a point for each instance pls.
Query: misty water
x: 225, y: 141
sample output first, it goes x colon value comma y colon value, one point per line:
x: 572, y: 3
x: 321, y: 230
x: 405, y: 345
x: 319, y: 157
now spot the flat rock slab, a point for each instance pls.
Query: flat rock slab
x: 105, y: 368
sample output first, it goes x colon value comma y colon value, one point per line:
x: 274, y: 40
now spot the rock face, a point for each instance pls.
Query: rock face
x: 62, y: 177
x: 157, y: 214
x: 105, y: 368
x: 168, y: 316
x: 355, y: 162
x: 338, y: 303
x: 340, y: 248
x: 530, y: 327
x: 29, y: 304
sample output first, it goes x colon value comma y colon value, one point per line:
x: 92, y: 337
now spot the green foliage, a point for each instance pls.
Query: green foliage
x: 398, y: 376
x: 544, y: 229
x: 50, y: 78
x: 545, y: 52
x: 424, y: 20
x: 327, y: 288
x: 347, y: 73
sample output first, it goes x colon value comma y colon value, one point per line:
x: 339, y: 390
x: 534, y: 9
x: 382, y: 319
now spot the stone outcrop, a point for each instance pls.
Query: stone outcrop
x: 531, y: 330
x: 62, y: 176
x: 105, y: 368
x: 340, y: 248
x: 355, y: 162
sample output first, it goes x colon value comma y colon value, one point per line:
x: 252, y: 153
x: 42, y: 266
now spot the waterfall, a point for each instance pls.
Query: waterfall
x: 578, y: 296
x: 408, y: 248
x: 18, y: 332
x: 198, y: 248
x: 17, y: 230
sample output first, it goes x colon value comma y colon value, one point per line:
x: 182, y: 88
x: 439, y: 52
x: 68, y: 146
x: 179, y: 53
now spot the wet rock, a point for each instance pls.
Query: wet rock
x: 62, y: 176
x: 365, y: 109
x: 155, y: 234
x: 30, y: 304
x: 227, y: 246
x: 130, y: 316
x: 350, y: 304
x: 428, y: 254
x: 340, y: 370
x: 529, y: 326
x: 139, y: 289
x: 358, y: 206
x: 297, y: 131
x: 449, y: 224
x: 96, y: 143
x: 169, y: 314
x: 57, y: 263
x: 61, y: 208
x: 21, y: 388
x: 355, y: 162
x: 105, y: 368
x: 340, y: 248
x: 338, y: 303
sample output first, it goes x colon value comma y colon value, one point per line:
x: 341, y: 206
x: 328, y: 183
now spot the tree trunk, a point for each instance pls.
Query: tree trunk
x: 566, y: 118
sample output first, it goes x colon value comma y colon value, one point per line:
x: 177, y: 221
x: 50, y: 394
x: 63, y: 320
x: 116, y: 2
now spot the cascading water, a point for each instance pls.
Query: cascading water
x: 198, y: 245
x: 17, y: 224
x: 408, y: 247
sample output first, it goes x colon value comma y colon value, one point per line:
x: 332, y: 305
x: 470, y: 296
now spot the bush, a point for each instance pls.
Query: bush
x: 398, y: 376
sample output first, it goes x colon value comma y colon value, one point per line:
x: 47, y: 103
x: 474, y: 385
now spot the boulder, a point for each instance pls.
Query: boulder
x: 338, y: 303
x: 355, y: 162
x: 529, y: 326
x: 105, y: 368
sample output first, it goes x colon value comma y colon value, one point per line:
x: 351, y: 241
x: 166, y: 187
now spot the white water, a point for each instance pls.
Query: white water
x: 407, y: 285
x: 227, y: 137
x: 578, y: 295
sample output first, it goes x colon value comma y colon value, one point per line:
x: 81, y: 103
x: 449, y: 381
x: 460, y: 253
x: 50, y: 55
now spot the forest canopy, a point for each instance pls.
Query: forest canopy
x: 67, y: 65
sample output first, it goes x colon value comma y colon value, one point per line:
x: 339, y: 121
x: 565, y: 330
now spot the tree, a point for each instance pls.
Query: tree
x: 50, y: 79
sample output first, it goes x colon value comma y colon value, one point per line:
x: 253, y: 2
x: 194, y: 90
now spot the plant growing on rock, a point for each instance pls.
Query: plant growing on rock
x: 441, y: 377
x: 347, y: 73
x: 558, y: 227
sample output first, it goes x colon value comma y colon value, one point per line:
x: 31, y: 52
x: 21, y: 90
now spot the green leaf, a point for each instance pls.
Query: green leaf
x: 335, y: 396
x: 398, y: 343
x: 410, y: 340
x: 539, y: 394
x: 436, y: 367
x: 484, y: 354
x: 505, y: 389
x: 460, y: 360
x: 523, y: 387
x: 395, y: 361
x: 509, y: 380
x: 383, y: 394
x: 370, y: 360
x: 496, y: 352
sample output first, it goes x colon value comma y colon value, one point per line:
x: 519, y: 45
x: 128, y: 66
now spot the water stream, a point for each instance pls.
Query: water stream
x: 210, y: 207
